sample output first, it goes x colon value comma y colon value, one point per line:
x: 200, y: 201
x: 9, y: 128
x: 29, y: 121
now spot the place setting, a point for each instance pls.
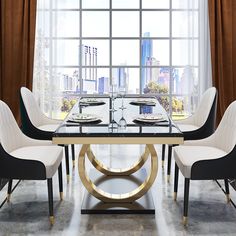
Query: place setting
x: 83, y: 118
x: 143, y: 102
x: 91, y: 102
x: 150, y: 118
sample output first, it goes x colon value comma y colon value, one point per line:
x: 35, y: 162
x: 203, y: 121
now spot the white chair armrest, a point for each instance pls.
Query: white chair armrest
x: 27, y: 141
x: 209, y: 141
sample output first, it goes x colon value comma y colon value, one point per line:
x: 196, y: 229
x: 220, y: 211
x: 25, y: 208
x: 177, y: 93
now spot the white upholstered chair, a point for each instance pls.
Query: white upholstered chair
x: 38, y: 126
x: 210, y: 158
x: 200, y: 125
x: 25, y: 158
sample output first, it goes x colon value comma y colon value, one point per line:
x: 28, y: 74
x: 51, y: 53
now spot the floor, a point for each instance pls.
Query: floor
x: 27, y: 213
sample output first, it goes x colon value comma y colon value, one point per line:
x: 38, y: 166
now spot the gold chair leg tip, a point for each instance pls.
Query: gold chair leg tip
x: 52, y: 220
x: 8, y: 197
x: 175, y: 196
x: 68, y: 178
x: 73, y: 164
x: 61, y: 196
x: 228, y: 198
x: 168, y: 178
x: 185, y: 220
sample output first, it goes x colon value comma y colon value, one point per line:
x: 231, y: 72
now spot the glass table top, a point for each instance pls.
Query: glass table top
x: 120, y: 117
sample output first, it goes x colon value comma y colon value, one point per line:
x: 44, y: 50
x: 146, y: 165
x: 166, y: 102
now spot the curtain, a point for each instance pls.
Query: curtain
x: 194, y: 53
x: 205, y: 70
x: 17, y: 36
x: 50, y: 24
x: 222, y: 17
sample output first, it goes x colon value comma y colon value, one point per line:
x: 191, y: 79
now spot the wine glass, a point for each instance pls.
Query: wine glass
x: 122, y: 121
x: 113, y: 94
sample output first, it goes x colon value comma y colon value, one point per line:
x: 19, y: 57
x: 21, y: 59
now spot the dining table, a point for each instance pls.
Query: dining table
x: 118, y: 120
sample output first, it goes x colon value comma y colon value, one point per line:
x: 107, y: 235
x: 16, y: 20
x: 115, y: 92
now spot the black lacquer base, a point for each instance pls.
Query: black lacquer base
x: 116, y: 185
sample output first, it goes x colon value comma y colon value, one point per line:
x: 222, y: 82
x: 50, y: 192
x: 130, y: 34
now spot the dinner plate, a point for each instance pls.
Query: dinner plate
x: 83, y: 118
x: 150, y: 118
x: 147, y: 102
x: 91, y: 102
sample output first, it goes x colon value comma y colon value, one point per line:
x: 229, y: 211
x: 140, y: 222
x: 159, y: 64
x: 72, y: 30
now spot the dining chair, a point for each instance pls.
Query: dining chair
x: 198, y: 126
x: 24, y: 158
x: 37, y: 125
x: 208, y: 159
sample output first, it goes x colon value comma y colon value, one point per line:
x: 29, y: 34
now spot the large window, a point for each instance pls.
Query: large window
x: 146, y: 46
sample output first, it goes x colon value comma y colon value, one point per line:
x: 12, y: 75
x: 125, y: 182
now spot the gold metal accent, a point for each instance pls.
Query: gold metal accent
x: 162, y: 163
x: 68, y: 178
x: 52, y: 220
x: 185, y: 220
x: 118, y: 140
x: 114, y: 172
x: 73, y: 163
x: 168, y: 178
x: 175, y: 196
x: 125, y: 197
x: 228, y: 198
x: 61, y: 196
x: 8, y: 197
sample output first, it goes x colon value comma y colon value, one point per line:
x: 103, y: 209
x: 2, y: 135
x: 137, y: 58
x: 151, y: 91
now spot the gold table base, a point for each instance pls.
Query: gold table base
x: 125, y: 197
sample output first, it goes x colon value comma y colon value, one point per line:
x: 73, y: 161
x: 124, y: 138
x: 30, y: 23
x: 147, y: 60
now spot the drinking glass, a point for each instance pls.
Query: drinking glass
x: 113, y: 94
x: 122, y: 121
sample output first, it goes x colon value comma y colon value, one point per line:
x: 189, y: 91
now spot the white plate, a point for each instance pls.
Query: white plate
x: 150, y: 118
x: 72, y: 119
x: 90, y: 100
x: 82, y: 117
x: 144, y: 101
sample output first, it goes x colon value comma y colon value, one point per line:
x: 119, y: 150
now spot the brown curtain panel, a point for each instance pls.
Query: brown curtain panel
x: 17, y: 37
x: 222, y: 18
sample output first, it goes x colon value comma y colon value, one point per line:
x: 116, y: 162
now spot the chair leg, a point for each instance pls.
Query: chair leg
x: 60, y: 182
x: 9, y: 190
x: 186, y: 199
x: 169, y: 162
x: 227, y: 190
x: 67, y: 163
x: 176, y: 181
x: 163, y: 155
x: 73, y: 154
x: 50, y: 200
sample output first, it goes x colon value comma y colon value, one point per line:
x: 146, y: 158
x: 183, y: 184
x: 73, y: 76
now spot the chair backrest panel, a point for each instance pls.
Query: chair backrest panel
x: 34, y: 113
x: 203, y: 110
x: 225, y: 134
x: 10, y: 133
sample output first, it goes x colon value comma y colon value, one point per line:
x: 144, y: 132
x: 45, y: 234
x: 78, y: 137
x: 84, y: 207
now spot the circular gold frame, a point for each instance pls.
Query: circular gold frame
x: 125, y: 197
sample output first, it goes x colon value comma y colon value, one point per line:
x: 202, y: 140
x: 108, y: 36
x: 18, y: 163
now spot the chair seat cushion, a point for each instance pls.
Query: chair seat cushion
x: 187, y: 127
x: 50, y: 156
x: 50, y: 128
x: 186, y: 156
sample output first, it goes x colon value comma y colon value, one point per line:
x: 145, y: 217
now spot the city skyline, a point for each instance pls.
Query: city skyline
x: 154, y: 73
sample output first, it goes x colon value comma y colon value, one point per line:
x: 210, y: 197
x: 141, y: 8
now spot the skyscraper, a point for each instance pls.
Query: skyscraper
x: 120, y: 77
x: 89, y: 75
x: 103, y: 85
x: 147, y: 54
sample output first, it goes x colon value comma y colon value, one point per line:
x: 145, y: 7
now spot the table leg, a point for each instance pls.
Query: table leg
x: 118, y: 198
